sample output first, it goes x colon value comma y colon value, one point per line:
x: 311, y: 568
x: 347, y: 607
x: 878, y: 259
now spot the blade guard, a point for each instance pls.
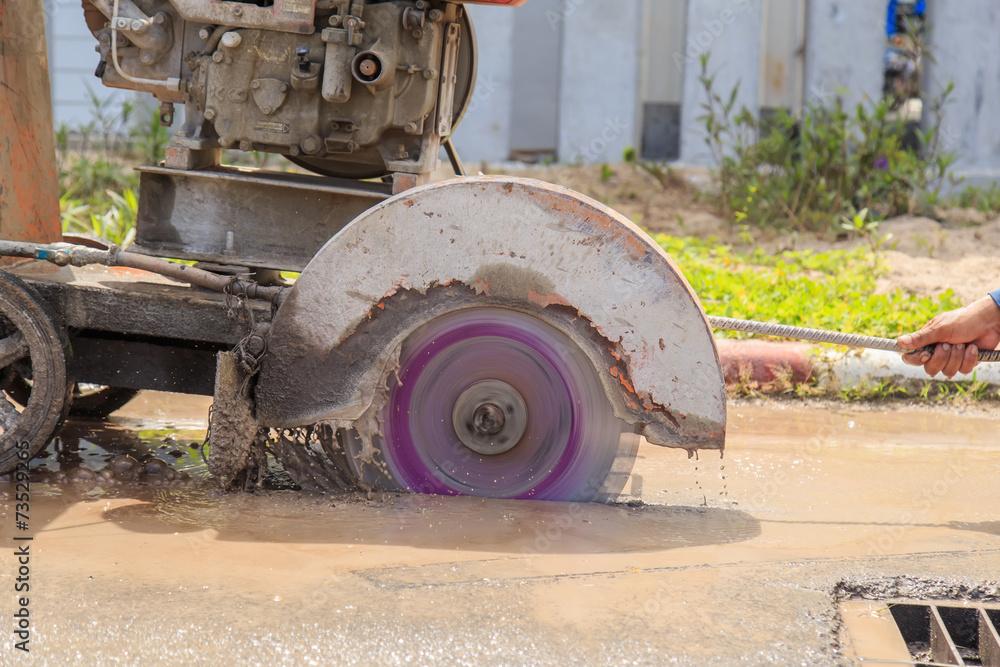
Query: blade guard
x: 504, y: 241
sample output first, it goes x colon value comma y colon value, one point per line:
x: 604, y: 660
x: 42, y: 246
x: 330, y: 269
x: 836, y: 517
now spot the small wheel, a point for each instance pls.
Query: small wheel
x: 496, y: 403
x: 33, y: 345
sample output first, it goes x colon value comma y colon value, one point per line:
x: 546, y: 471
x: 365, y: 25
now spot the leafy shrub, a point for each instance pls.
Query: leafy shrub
x: 985, y: 199
x: 95, y: 161
x: 807, y: 172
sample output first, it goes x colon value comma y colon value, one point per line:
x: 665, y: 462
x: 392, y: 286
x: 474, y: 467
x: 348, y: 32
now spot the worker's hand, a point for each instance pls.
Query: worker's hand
x: 960, y: 335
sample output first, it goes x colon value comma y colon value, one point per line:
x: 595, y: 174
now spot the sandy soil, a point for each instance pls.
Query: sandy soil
x: 958, y: 251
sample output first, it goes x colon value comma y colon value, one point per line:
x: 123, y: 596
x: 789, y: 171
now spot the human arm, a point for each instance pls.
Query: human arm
x: 960, y: 335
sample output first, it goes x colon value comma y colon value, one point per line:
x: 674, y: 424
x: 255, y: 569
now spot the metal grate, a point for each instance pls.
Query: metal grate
x: 916, y: 632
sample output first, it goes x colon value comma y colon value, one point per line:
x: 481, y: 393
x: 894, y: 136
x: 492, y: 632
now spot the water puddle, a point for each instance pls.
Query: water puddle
x: 715, y: 559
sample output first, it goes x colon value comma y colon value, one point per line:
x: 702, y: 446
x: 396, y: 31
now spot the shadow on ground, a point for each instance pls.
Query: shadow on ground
x: 437, y: 522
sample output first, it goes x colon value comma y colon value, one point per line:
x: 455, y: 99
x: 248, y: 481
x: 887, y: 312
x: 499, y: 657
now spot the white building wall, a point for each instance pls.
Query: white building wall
x: 661, y: 79
x: 600, y: 79
x: 484, y: 133
x: 72, y: 61
x: 845, y: 49
x: 966, y: 50
x: 729, y: 31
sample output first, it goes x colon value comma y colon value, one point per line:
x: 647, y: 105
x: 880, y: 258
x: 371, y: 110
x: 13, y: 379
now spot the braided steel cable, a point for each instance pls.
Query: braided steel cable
x: 821, y: 336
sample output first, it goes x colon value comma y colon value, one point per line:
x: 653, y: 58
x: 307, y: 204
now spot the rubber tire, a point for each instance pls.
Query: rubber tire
x: 48, y: 348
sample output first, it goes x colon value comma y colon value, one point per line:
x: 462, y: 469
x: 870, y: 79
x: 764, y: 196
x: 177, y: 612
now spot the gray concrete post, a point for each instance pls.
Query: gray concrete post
x: 845, y: 50
x: 730, y: 31
x: 484, y: 134
x: 599, y: 89
x: 963, y: 41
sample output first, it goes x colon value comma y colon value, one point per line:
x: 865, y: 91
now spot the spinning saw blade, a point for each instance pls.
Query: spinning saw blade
x: 498, y: 403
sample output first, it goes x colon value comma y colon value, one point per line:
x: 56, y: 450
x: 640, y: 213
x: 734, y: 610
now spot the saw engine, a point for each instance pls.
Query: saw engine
x: 349, y: 88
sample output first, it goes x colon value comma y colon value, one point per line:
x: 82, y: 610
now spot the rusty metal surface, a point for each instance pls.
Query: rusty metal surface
x: 943, y: 649
x: 29, y: 193
x: 516, y: 242
x: 989, y: 639
x: 132, y: 302
x: 245, y: 217
x: 159, y: 365
x: 283, y: 15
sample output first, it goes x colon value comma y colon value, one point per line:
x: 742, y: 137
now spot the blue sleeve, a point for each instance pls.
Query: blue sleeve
x: 890, y: 24
x: 996, y: 297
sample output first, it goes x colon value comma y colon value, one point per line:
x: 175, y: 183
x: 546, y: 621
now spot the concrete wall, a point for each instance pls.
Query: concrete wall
x: 536, y: 71
x: 484, y: 134
x: 782, y: 54
x: 72, y: 63
x: 594, y: 90
x: 661, y: 79
x: 599, y: 86
x: 964, y: 43
x: 845, y: 48
x: 730, y: 32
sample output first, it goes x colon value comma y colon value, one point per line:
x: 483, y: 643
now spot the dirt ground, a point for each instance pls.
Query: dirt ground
x: 741, y: 560
x: 925, y: 256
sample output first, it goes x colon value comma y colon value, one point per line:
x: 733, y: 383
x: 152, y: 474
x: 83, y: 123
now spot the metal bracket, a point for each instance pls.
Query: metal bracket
x: 449, y: 67
x: 342, y: 40
x: 240, y: 216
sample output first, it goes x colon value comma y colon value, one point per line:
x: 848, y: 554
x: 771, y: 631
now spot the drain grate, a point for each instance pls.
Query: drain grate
x: 916, y: 632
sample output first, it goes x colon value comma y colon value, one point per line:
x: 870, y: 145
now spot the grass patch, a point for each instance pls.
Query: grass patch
x: 930, y: 392
x: 985, y: 199
x: 832, y: 290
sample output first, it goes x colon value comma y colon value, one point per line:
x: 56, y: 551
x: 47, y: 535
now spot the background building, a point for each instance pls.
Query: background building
x: 581, y: 80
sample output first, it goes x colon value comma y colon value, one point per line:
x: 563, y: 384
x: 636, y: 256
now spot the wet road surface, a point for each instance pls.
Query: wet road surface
x: 726, y: 561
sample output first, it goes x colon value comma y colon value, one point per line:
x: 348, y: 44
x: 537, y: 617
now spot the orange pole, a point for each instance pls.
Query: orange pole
x: 29, y: 188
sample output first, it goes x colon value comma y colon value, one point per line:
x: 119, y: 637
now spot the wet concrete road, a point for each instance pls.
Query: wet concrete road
x: 731, y: 561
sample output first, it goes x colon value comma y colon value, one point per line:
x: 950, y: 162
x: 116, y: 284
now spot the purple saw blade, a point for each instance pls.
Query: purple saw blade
x: 570, y: 438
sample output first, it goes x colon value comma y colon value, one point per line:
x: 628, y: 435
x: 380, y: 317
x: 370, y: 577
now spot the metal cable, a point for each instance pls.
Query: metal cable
x: 821, y: 336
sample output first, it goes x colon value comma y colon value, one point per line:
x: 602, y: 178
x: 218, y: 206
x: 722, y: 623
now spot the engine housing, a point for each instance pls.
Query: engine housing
x: 363, y: 89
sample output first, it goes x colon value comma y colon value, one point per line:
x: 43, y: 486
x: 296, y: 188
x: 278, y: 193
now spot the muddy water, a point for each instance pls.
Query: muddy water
x: 724, y: 561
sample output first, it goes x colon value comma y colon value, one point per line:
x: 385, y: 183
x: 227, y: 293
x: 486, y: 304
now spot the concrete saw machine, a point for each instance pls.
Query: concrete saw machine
x: 487, y: 335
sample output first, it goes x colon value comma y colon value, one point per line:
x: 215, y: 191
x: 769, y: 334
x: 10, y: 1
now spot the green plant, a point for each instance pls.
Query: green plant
x: 110, y: 121
x: 925, y: 392
x: 97, y: 182
x: 607, y: 173
x: 112, y: 220
x: 861, y: 225
x: 833, y: 290
x: 75, y: 213
x: 985, y: 199
x: 883, y: 390
x: 806, y: 172
x: 932, y: 179
x: 664, y: 174
x: 150, y: 139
